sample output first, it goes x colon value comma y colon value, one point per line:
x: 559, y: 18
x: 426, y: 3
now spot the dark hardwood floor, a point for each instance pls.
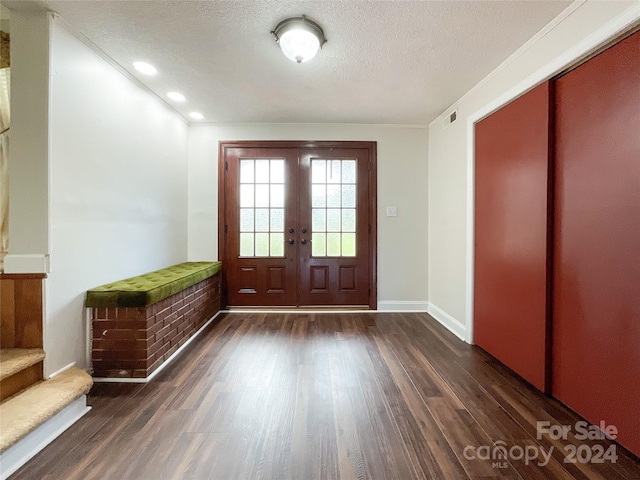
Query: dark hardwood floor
x: 306, y: 396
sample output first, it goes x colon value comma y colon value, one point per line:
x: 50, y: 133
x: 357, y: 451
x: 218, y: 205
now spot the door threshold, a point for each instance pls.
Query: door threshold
x: 309, y: 309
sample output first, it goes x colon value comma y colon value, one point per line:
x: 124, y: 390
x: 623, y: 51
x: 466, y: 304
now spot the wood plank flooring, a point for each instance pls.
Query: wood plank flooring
x: 322, y: 396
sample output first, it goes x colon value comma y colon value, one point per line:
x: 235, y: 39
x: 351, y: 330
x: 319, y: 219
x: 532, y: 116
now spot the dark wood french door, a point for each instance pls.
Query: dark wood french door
x: 297, y: 224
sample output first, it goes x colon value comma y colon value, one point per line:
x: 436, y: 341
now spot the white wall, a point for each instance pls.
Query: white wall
x: 29, y: 144
x: 402, y: 180
x: 118, y: 188
x: 580, y: 29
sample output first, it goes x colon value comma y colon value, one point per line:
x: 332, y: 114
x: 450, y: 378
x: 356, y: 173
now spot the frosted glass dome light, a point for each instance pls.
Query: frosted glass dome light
x: 299, y: 45
x: 299, y: 38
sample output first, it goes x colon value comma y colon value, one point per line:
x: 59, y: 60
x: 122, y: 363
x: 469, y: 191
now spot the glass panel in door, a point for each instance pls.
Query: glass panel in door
x: 333, y: 208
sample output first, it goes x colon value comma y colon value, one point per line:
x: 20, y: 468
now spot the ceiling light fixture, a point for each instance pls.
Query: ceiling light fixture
x: 196, y: 115
x: 178, y: 97
x: 299, y: 38
x: 145, y: 68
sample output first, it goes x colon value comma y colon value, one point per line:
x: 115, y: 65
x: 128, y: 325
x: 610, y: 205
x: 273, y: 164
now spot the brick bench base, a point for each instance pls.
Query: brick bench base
x: 134, y: 342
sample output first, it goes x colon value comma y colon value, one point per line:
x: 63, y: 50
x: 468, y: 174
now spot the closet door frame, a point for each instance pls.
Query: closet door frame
x: 609, y: 34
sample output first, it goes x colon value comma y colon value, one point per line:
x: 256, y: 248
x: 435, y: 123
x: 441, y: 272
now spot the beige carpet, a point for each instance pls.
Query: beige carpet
x: 12, y: 360
x: 23, y: 413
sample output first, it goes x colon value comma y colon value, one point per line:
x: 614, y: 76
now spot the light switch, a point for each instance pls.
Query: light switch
x: 392, y: 211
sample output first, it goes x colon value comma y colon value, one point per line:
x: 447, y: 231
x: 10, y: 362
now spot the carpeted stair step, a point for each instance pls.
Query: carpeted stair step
x: 19, y: 369
x: 13, y: 360
x: 24, y: 412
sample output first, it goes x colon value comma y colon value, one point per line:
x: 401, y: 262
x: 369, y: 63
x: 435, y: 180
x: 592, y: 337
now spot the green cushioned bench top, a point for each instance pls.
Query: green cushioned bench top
x: 151, y: 287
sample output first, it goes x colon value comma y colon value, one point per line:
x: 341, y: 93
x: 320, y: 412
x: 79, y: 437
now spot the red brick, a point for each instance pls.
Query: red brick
x: 181, y: 312
x: 123, y: 344
x: 170, y: 319
x: 125, y: 364
x: 103, y: 324
x: 171, y: 335
x: 98, y: 354
x: 102, y: 344
x: 163, y: 350
x: 154, y: 329
x: 126, y: 355
x: 153, y: 349
x: 144, y: 344
x: 131, y: 313
x: 120, y: 334
x: 114, y: 373
x: 143, y: 334
x: 171, y: 351
x: 151, y: 321
x: 161, y: 315
x: 177, y: 305
x: 155, y: 366
x: 131, y: 324
x: 162, y: 332
x: 98, y: 333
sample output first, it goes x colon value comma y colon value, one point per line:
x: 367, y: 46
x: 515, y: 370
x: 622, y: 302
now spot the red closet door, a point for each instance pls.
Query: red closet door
x: 596, y: 294
x: 511, y: 190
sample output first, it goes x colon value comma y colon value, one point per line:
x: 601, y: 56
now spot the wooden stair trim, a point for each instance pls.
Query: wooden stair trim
x: 14, y: 360
x: 22, y: 276
x: 24, y: 412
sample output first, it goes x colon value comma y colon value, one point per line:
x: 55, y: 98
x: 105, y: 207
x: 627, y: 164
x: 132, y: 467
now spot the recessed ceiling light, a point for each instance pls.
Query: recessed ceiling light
x: 145, y: 68
x: 196, y: 115
x: 178, y: 97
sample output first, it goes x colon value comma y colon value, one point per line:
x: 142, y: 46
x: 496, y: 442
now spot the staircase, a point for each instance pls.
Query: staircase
x: 19, y: 369
x: 33, y: 411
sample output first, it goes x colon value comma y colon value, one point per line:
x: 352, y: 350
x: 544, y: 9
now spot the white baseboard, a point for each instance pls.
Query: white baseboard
x: 164, y: 364
x: 446, y: 320
x: 22, y: 451
x: 402, y: 306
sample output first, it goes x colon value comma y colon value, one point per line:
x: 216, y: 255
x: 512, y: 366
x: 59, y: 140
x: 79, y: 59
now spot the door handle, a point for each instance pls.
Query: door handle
x: 303, y: 241
x: 290, y: 241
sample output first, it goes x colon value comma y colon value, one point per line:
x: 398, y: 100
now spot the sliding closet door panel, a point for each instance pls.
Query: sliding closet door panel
x: 596, y: 295
x: 511, y: 190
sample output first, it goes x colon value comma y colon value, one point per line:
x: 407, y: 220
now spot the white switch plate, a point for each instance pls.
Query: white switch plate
x: 392, y: 211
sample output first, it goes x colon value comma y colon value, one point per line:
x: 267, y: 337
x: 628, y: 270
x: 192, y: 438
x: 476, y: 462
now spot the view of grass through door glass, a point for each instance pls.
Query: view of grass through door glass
x: 262, y: 185
x: 333, y: 208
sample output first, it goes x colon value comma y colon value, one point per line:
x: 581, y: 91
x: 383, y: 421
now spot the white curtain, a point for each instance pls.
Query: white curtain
x: 4, y: 164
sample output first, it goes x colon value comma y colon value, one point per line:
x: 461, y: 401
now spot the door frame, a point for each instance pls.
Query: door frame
x: 371, y: 147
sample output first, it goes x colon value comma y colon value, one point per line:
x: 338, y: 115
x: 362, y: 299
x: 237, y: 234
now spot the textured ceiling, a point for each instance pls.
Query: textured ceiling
x: 389, y: 62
